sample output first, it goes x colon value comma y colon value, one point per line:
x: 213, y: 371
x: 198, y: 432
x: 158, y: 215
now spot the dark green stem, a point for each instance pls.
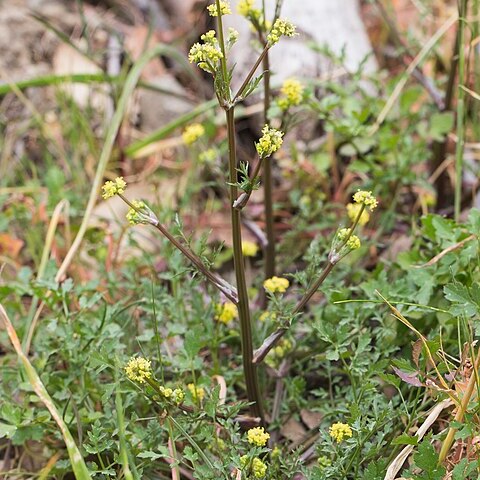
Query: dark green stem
x: 267, y: 183
x: 275, y: 337
x: 240, y: 91
x: 214, y: 279
x: 250, y: 370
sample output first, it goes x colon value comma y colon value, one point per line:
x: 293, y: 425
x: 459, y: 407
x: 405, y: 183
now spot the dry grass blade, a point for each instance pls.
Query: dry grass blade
x: 78, y: 464
x: 130, y: 84
x: 399, y: 460
x: 52, y: 227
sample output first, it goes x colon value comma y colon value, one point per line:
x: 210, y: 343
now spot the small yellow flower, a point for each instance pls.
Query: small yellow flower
x: 338, y: 431
x: 352, y: 243
x: 246, y: 8
x: 257, y: 436
x: 363, y: 197
x: 249, y: 249
x: 353, y: 209
x: 133, y: 216
x: 226, y: 312
x: 192, y: 133
x: 258, y: 468
x: 206, y: 55
x: 280, y: 28
x: 291, y: 94
x: 167, y: 392
x: 138, y: 369
x: 178, y: 396
x: 198, y: 393
x: 224, y: 9
x: 276, y: 284
x: 269, y: 142
x: 110, y: 189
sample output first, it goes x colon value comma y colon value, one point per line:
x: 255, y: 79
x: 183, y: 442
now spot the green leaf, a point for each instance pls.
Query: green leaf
x: 193, y: 342
x: 427, y: 459
x: 7, y: 430
x: 463, y: 302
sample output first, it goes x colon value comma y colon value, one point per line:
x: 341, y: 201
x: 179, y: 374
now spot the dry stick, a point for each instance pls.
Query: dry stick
x: 408, y: 72
x: 460, y: 110
x: 439, y: 148
x: 447, y: 443
x: 228, y: 290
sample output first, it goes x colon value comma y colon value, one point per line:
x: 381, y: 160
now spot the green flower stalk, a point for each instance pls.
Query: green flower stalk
x: 343, y: 243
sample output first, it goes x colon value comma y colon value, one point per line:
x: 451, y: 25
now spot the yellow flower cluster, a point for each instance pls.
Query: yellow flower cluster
x: 208, y: 156
x: 269, y: 142
x: 363, y: 197
x: 249, y: 249
x: 110, y: 189
x: 247, y: 8
x: 192, y: 133
x: 224, y: 9
x: 338, y: 431
x: 138, y: 369
x: 276, y: 284
x: 226, y: 312
x: 280, y: 28
x: 198, y: 393
x: 176, y: 396
x: 353, y: 209
x: 291, y: 94
x: 258, y: 468
x: 257, y: 436
x: 206, y: 55
x: 133, y: 216
x: 353, y: 243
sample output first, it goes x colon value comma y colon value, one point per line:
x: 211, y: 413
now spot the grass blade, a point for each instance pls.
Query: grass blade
x: 79, y: 468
